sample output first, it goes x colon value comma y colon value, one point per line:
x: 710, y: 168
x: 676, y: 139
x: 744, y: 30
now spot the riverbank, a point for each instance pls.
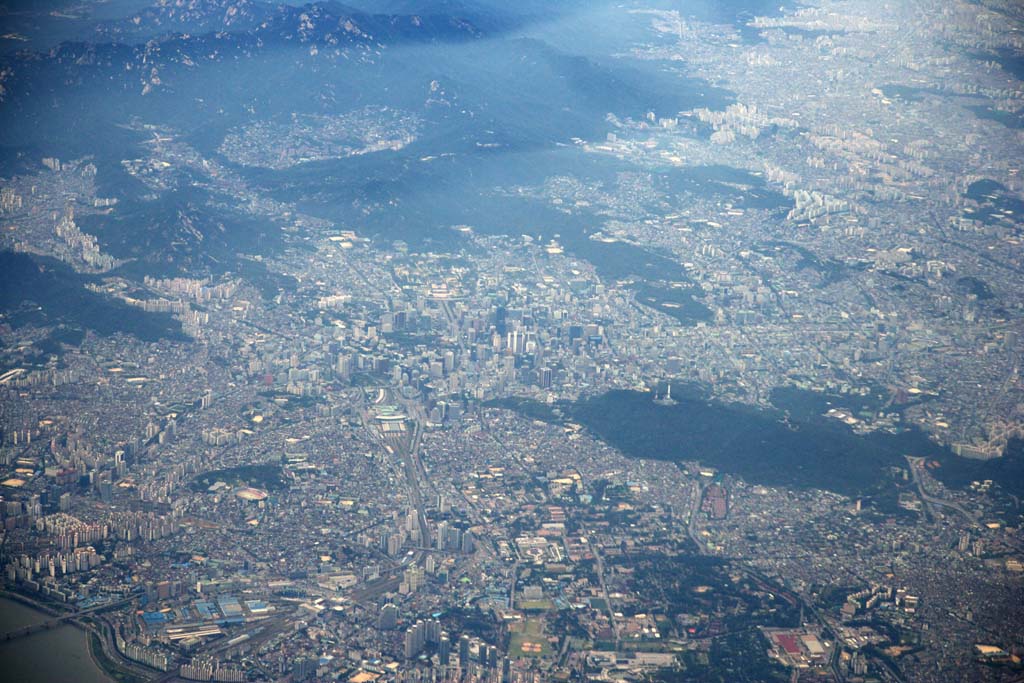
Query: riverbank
x: 108, y: 665
x: 105, y: 658
x: 57, y: 654
x: 26, y: 601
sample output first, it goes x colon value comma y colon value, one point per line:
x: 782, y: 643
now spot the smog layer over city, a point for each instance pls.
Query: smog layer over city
x: 491, y: 341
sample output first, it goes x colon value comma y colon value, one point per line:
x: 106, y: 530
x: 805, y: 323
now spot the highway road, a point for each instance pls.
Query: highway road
x: 916, y: 467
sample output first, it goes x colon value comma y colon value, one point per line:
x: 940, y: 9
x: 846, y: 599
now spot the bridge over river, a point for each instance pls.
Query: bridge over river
x: 54, y: 622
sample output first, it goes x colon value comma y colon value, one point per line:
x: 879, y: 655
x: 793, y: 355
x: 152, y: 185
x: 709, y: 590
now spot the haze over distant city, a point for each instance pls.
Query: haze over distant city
x: 474, y: 341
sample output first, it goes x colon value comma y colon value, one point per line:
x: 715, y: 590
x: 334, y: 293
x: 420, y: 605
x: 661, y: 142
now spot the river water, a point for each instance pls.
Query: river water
x: 59, y: 654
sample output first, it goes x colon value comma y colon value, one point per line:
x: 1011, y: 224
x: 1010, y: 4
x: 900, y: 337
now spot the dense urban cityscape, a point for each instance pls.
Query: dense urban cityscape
x: 724, y: 392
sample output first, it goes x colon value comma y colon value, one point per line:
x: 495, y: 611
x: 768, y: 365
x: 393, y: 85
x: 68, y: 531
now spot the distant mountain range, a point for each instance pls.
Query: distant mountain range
x: 499, y: 93
x: 321, y: 23
x: 188, y: 34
